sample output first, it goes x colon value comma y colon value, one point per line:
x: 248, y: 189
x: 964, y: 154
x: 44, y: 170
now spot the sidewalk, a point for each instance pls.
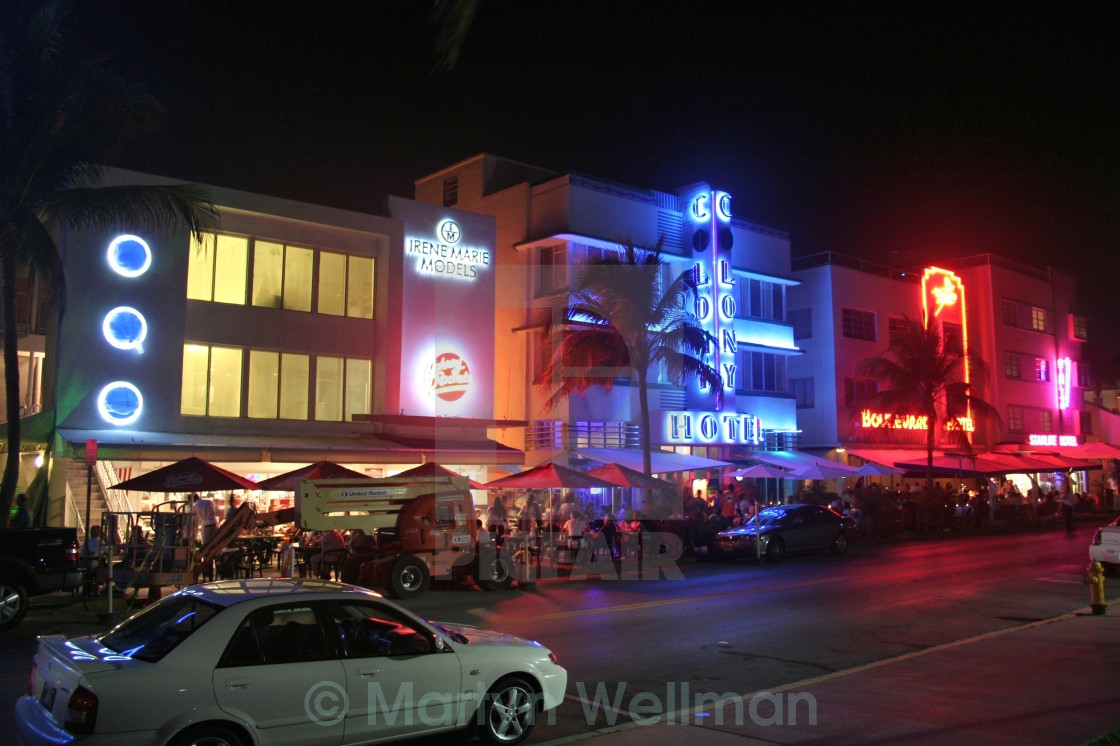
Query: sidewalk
x: 1048, y: 682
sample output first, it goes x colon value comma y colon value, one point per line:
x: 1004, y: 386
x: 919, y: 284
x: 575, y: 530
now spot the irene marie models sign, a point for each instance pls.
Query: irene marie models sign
x: 447, y: 254
x: 446, y: 296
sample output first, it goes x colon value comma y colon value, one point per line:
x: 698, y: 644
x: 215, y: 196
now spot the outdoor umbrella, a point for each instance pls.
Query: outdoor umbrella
x: 189, y: 475
x: 822, y: 470
x: 548, y: 476
x: 432, y: 469
x: 1096, y: 449
x: 762, y: 471
x: 289, y: 481
x: 624, y: 476
x: 871, y: 469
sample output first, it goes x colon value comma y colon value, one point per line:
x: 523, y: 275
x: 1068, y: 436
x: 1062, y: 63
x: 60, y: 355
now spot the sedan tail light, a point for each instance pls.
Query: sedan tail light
x: 81, y: 713
x: 1097, y: 538
x: 552, y: 657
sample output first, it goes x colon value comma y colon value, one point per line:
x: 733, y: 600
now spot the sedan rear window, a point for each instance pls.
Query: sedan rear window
x: 158, y: 629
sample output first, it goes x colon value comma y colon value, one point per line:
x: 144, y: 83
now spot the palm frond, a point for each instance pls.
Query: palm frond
x: 119, y: 206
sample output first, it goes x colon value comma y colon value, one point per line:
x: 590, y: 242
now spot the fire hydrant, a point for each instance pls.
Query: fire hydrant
x: 1094, y: 578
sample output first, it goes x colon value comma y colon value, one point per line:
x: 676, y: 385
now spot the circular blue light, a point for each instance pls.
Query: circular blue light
x: 129, y: 255
x: 125, y: 328
x: 120, y: 403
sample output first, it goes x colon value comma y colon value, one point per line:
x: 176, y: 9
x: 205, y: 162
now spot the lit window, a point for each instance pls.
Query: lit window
x: 217, y: 269
x: 211, y: 381
x: 277, y: 384
x: 1042, y: 369
x: 553, y: 268
x: 858, y: 324
x: 299, y: 264
x: 1015, y: 419
x: 345, y: 285
x: 1038, y: 319
x: 342, y: 388
x: 295, y: 386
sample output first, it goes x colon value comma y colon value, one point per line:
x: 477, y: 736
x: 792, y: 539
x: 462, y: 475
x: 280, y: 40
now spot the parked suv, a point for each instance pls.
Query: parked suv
x: 34, y: 561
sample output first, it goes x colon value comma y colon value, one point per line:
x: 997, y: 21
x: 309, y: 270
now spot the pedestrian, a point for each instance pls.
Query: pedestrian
x: 529, y: 518
x: 1067, y: 499
x: 203, y: 518
x: 21, y: 518
x: 496, y: 519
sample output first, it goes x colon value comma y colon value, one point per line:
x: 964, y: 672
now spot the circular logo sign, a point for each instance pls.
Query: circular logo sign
x: 449, y: 231
x: 449, y: 377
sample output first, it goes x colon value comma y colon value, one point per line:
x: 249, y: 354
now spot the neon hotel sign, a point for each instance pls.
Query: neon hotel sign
x: 446, y: 256
x: 716, y: 307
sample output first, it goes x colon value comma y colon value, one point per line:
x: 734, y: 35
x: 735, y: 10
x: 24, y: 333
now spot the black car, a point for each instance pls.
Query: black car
x: 786, y: 529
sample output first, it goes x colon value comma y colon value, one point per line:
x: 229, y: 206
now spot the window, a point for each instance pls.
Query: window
x: 1011, y: 366
x: 897, y: 326
x: 342, y: 388
x: 282, y: 276
x: 345, y: 285
x: 451, y: 191
x: 1080, y: 328
x: 1042, y: 369
x: 803, y: 393
x: 1086, y: 418
x: 858, y: 324
x: 217, y: 268
x: 763, y: 371
x: 859, y: 391
x: 277, y: 385
x: 759, y: 299
x: 1084, y: 376
x: 211, y: 381
x: 802, y: 321
x: 276, y: 635
x: 1010, y: 315
x: 376, y: 631
x: 953, y: 338
x: 1015, y: 419
x: 553, y: 268
x: 1045, y: 421
x: 1038, y: 319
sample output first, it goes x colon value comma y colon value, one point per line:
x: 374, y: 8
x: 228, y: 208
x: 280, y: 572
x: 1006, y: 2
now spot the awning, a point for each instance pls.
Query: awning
x: 786, y: 459
x: 662, y: 462
x: 979, y: 465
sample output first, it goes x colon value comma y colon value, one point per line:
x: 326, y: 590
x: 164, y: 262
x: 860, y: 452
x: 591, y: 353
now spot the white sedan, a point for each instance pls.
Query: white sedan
x: 284, y: 661
x: 1105, y: 546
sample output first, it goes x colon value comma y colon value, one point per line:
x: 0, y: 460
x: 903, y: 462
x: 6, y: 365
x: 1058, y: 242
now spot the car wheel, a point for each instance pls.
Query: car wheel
x: 13, y: 603
x: 494, y: 572
x: 409, y: 577
x: 509, y: 712
x: 775, y: 549
x: 208, y: 735
x: 840, y: 543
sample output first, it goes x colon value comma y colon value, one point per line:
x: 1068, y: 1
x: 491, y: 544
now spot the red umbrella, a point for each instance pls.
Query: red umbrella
x: 548, y: 476
x: 189, y: 475
x: 432, y: 469
x: 289, y: 481
x: 624, y: 476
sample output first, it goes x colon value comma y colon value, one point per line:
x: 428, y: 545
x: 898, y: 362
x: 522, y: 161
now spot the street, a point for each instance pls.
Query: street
x: 741, y: 628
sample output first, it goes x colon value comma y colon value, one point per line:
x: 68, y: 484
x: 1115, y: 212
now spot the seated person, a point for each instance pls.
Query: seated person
x: 331, y: 546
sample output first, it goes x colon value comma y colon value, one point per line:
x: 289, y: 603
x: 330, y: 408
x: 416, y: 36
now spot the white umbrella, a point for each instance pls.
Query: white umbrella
x: 761, y: 471
x: 822, y: 470
x: 876, y: 470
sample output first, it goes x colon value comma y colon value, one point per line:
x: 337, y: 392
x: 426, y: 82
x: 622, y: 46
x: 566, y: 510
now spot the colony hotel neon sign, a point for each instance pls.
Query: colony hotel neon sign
x: 715, y: 300
x: 446, y: 257
x: 708, y: 427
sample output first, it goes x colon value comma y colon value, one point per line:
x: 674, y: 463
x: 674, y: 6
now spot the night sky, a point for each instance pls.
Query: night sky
x: 896, y: 132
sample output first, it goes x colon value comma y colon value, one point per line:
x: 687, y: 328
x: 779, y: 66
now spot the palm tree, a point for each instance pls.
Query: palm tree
x: 923, y: 373
x: 619, y: 320
x: 58, y: 121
